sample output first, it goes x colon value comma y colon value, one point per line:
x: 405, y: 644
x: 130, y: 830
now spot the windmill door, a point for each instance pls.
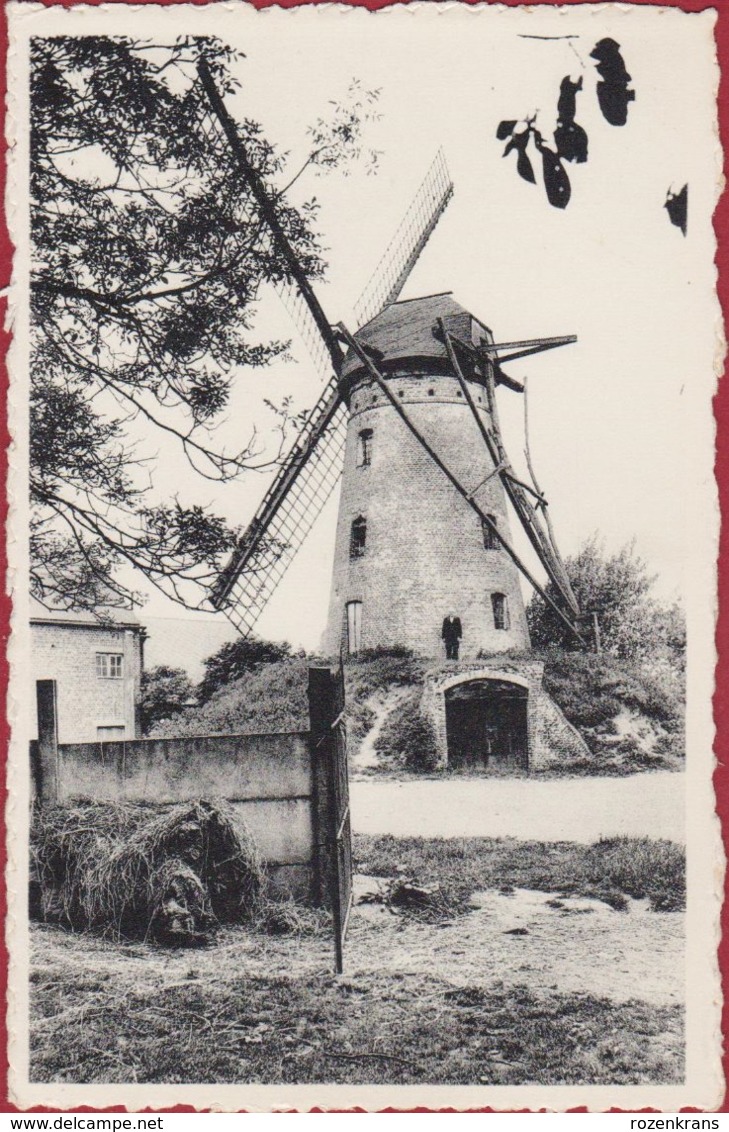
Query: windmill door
x: 486, y: 725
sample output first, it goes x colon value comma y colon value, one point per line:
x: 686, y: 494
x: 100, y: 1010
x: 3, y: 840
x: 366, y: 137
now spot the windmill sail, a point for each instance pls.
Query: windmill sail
x: 266, y: 206
x: 289, y: 510
x: 300, y: 314
x: 406, y: 246
x: 311, y: 470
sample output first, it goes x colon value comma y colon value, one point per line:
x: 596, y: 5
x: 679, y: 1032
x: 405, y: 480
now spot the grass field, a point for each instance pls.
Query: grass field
x: 611, y: 869
x: 204, y: 1018
x: 444, y: 1003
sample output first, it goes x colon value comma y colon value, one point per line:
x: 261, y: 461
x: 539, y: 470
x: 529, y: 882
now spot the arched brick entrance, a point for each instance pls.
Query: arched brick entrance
x: 486, y: 724
x: 550, y: 739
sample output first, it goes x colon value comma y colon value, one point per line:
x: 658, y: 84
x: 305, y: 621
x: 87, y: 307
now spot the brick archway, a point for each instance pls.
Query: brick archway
x: 528, y: 675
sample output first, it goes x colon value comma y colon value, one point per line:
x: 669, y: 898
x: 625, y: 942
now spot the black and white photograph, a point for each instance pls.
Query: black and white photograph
x: 362, y: 549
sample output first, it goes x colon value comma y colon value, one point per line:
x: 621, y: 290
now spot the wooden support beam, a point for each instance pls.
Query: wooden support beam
x: 47, y: 775
x: 529, y: 345
x: 462, y: 491
x: 485, y: 480
x: 268, y: 212
x: 528, y: 487
x: 523, y: 508
x: 500, y: 377
x: 504, y: 379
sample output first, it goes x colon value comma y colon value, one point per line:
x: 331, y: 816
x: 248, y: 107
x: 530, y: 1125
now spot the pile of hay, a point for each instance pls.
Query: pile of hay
x: 143, y: 872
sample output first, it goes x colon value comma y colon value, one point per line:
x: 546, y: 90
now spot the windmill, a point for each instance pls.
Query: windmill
x: 409, y: 414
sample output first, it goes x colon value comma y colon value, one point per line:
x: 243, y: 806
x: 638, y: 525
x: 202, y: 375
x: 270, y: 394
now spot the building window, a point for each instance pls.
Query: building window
x: 364, y: 448
x: 500, y: 606
x: 109, y: 665
x: 354, y: 627
x: 358, y: 537
x: 490, y: 541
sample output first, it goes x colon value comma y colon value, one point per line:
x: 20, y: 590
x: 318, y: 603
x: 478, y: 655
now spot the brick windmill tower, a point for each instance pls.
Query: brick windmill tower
x: 409, y: 416
x: 409, y: 550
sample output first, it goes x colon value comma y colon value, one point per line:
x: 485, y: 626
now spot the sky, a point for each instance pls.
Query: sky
x: 620, y: 423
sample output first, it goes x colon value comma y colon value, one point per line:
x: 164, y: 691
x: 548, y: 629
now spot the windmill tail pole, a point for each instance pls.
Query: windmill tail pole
x: 525, y: 510
x: 486, y: 519
x: 545, y: 509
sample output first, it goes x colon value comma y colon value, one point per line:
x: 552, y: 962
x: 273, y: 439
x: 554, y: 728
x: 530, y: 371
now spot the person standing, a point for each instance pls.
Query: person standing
x: 451, y: 634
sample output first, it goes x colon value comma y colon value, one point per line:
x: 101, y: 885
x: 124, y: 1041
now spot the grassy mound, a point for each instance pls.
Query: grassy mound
x: 272, y: 697
x: 630, y: 714
x: 137, y: 872
x: 407, y: 739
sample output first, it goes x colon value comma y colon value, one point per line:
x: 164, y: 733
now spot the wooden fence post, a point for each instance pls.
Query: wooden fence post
x: 47, y: 748
x: 321, y: 707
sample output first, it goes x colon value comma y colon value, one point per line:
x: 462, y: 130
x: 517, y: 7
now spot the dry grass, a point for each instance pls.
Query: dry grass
x: 109, y: 1013
x: 138, y: 871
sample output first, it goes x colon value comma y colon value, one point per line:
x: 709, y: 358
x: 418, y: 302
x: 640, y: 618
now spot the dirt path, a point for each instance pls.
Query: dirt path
x: 640, y: 952
x: 565, y: 809
x: 381, y: 705
x: 524, y: 937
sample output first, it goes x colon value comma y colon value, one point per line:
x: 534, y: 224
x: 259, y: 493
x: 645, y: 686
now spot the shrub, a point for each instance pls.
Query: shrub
x: 272, y: 697
x: 633, y: 624
x: 407, y: 737
x: 235, y: 659
x: 164, y: 693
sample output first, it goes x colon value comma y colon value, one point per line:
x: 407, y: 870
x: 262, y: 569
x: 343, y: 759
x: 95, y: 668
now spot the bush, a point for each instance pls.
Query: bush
x: 633, y: 625
x: 407, y: 737
x: 164, y: 693
x: 272, y: 697
x: 237, y: 658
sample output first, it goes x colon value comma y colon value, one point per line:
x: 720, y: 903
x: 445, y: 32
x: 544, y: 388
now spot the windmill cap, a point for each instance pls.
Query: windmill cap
x: 402, y: 334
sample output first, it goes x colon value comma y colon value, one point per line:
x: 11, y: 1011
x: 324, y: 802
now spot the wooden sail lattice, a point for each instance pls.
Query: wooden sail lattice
x: 403, y: 251
x: 299, y: 313
x: 307, y: 478
x: 287, y: 514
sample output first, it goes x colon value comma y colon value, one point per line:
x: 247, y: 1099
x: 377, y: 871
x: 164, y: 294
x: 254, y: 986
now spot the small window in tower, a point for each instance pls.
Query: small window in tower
x: 364, y: 448
x: 500, y: 606
x: 358, y: 537
x: 431, y: 392
x: 490, y: 541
